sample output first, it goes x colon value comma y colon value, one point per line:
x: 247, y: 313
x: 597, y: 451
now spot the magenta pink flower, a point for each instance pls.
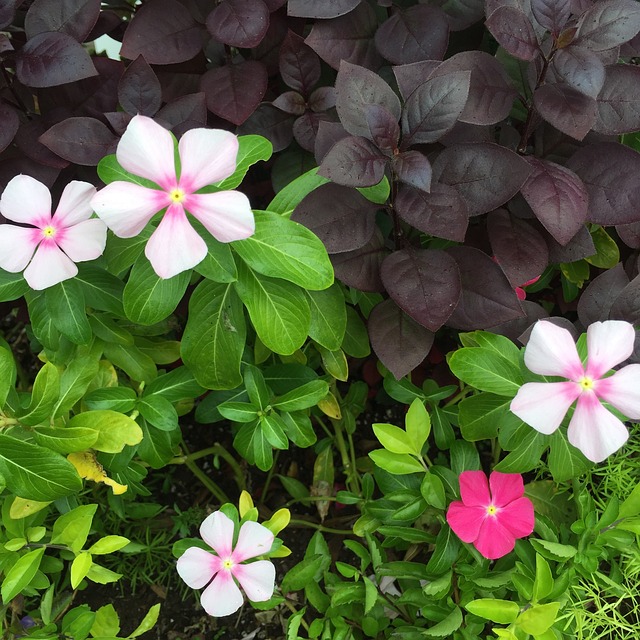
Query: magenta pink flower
x: 520, y: 292
x: 206, y: 156
x: 593, y: 429
x: 198, y: 567
x: 51, y: 246
x: 491, y: 519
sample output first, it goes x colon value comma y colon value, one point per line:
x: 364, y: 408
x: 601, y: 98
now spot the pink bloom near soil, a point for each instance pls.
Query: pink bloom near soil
x: 491, y: 516
x: 48, y: 249
x: 207, y: 156
x: 198, y: 567
x: 593, y: 429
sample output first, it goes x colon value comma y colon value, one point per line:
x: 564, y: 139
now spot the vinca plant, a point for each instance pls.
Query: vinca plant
x: 318, y: 319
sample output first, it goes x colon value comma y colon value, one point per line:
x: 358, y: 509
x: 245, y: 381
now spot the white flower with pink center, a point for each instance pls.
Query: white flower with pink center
x: 593, y: 429
x: 207, y: 156
x: 48, y: 249
x: 198, y: 567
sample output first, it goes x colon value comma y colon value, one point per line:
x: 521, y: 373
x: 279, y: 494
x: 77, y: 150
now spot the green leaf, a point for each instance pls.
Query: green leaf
x: 526, y: 455
x: 121, y: 253
x: 238, y: 411
x: 259, y: 393
x: 274, y: 430
x: 72, y: 528
x: 394, y: 439
x: 157, y: 447
x: 45, y: 393
x: 445, y: 552
x: 565, y: 461
x: 480, y: 415
x: 178, y: 384
x: 148, y: 622
x: 214, y: 338
x: 464, y: 457
x: 21, y: 574
x: 108, y: 544
x: 137, y: 365
x: 115, y: 429
x: 218, y: 265
x: 500, y: 611
x: 607, y: 253
x: 356, y: 338
x: 109, y: 170
x: 107, y: 623
x: 501, y: 345
x: 65, y: 304
x: 432, y: 490
x: 147, y: 298
x: 7, y: 371
x: 75, y: 380
x: 278, y: 310
x: 328, y: 317
x: 41, y: 322
x: 299, y: 429
x: 159, y: 350
x: 288, y: 198
x: 253, y: 445
x: 418, y: 425
x: 122, y: 399
x: 631, y: 505
x: 102, y: 290
x: 106, y: 329
x: 12, y: 286
x: 281, y: 248
x: 538, y: 618
x: 65, y: 439
x: 395, y: 463
x: 303, y: 397
x: 159, y: 412
x: 334, y: 363
x: 80, y: 567
x: 302, y: 573
x: 543, y: 584
x: 485, y: 370
x: 251, y: 149
x: 446, y: 627
x: 554, y: 550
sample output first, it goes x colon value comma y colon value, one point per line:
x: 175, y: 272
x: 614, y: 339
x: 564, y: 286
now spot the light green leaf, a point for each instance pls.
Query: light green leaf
x: 543, y: 584
x: 554, y: 550
x: 288, y: 198
x: 20, y: 574
x: 106, y: 623
x: 500, y: 611
x: 75, y: 380
x: 485, y: 370
x: 80, y: 567
x: 537, y: 619
x: 122, y: 399
x: 148, y: 622
x: 394, y: 439
x: 335, y: 363
x: 303, y: 397
x: 418, y: 425
x: 45, y: 393
x: 446, y: 627
x: 115, y: 429
x: 72, y: 528
x: 108, y: 544
x: 395, y: 463
x: 65, y: 439
x: 631, y: 506
x: 328, y: 317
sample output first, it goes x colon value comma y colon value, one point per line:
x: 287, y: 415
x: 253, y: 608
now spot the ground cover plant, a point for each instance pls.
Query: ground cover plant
x: 319, y: 319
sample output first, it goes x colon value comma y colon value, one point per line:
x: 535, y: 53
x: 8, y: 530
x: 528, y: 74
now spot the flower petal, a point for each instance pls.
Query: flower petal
x: 258, y: 579
x: 253, y: 540
x: 518, y: 517
x: 146, y: 149
x: 465, y: 521
x: 83, y: 241
x: 226, y: 215
x: 494, y: 540
x: 551, y: 351
x: 26, y: 200
x: 543, y: 405
x: 217, y: 531
x: 505, y: 488
x: 174, y: 246
x: 49, y: 266
x: 608, y: 344
x: 622, y: 390
x: 222, y: 597
x: 594, y: 430
x: 474, y: 489
x: 17, y: 245
x: 126, y: 208
x: 75, y: 204
x: 206, y: 156
x: 197, y: 566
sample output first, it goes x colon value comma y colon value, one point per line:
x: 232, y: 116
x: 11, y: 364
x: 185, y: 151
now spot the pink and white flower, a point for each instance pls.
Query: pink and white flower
x: 206, y: 156
x: 198, y: 567
x: 51, y: 246
x: 491, y: 516
x: 593, y: 429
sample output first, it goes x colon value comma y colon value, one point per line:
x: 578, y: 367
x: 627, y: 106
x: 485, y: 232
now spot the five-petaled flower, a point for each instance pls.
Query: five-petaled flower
x: 206, y: 156
x: 491, y: 516
x: 593, y: 429
x: 52, y: 244
x: 198, y: 567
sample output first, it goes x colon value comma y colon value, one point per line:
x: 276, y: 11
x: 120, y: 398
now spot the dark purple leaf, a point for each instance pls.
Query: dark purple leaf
x: 418, y: 33
x: 424, y: 283
x: 354, y: 162
x: 5, y: 44
x: 268, y: 51
x: 630, y: 234
x: 50, y: 59
x: 139, y: 89
x: 579, y: 247
x: 324, y: 9
x: 627, y: 305
x: 518, y: 248
x: 619, y: 101
x: 184, y: 113
x: 578, y: 7
x: 410, y: 76
x: 361, y: 268
x: 290, y: 102
x: 348, y: 38
x: 631, y: 49
x: 164, y: 32
x: 441, y: 213
x: 610, y: 172
x: 551, y: 14
x: 7, y: 11
x: 400, y: 343
x: 299, y: 64
x: 84, y: 141
x: 557, y: 197
x: 273, y: 124
x: 107, y: 22
x: 513, y: 30
x: 356, y: 88
x: 328, y: 134
x: 413, y: 168
x: 383, y: 127
x: 234, y: 91
x: 594, y: 304
x: 239, y: 23
x: 486, y: 175
x: 27, y: 140
x: 491, y: 93
x: 566, y: 108
x: 11, y: 167
x: 10, y: 123
x: 322, y: 99
x: 513, y: 329
x: 487, y: 298
x: 118, y: 120
x: 305, y: 129
x: 462, y: 13
x: 609, y: 24
x: 580, y: 68
x: 433, y: 108
x: 76, y: 18
x: 464, y: 132
x: 342, y: 218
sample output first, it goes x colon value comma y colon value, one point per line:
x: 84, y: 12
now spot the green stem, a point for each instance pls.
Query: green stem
x: 293, y: 610
x: 319, y: 527
x: 216, y: 450
x: 267, y: 482
x: 209, y: 484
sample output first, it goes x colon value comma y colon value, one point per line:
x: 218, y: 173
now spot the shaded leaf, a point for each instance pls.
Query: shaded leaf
x: 10, y: 123
x: 315, y: 9
x: 594, y: 305
x: 299, y: 63
x: 551, y: 14
x: 353, y: 162
x: 80, y: 140
x: 627, y: 304
x: 239, y: 23
x: 608, y: 24
x: 361, y: 268
x: 566, y: 108
x: 139, y: 89
x: 619, y: 101
x: 184, y: 113
x: 410, y: 76
x: 580, y: 68
x: 76, y: 18
x: 383, y: 127
x: 513, y: 30
x: 413, y: 168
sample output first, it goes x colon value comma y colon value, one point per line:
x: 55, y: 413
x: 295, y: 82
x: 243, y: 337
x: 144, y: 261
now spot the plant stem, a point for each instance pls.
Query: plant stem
x: 198, y: 473
x: 319, y: 527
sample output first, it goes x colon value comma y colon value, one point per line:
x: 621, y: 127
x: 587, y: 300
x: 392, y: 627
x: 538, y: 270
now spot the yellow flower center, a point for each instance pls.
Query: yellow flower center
x: 227, y: 564
x: 491, y: 510
x: 586, y: 383
x: 49, y: 232
x: 177, y: 195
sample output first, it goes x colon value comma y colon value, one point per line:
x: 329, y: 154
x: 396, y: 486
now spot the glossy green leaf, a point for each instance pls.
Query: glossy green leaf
x: 65, y: 439
x: 159, y: 412
x: 418, y: 425
x: 485, y: 370
x: 394, y: 439
x: 115, y: 429
x: 251, y: 149
x: 302, y: 397
x: 102, y: 290
x: 500, y: 611
x: 395, y: 463
x: 12, y: 286
x: 45, y: 393
x: 66, y: 305
x: 328, y: 317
